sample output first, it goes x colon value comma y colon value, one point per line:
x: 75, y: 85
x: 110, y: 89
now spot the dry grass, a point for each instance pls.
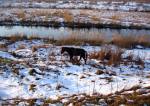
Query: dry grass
x: 21, y: 46
x: 95, y: 18
x: 75, y: 39
x: 131, y: 41
x: 17, y: 37
x: 127, y: 99
x: 99, y: 72
x: 113, y: 56
x: 80, y: 40
x: 124, y: 41
x: 36, y: 47
x: 21, y: 15
x: 119, y: 40
x: 147, y: 1
x: 32, y: 87
x: 2, y: 60
x: 3, y: 45
x: 68, y: 17
x: 108, y: 55
x: 115, y: 17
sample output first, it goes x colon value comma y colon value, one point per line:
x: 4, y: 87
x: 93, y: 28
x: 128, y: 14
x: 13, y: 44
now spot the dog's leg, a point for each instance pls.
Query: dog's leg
x: 71, y: 57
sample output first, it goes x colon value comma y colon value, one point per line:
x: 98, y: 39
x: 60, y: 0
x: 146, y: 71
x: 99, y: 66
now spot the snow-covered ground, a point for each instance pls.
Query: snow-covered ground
x: 76, y: 16
x: 100, y: 5
x: 46, y: 73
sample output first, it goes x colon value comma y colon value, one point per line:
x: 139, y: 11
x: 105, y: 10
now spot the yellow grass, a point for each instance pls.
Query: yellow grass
x: 68, y: 17
x: 113, y: 57
x: 93, y: 39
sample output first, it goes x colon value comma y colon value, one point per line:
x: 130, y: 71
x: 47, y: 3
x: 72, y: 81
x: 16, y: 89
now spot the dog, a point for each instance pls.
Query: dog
x: 75, y: 52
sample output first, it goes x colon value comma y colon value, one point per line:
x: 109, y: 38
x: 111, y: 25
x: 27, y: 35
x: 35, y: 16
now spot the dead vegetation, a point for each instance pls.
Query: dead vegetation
x: 67, y: 16
x: 21, y: 46
x: 74, y: 39
x: 128, y: 99
x: 32, y: 87
x: 3, y: 46
x: 99, y: 72
x: 108, y: 55
x: 131, y: 41
x: 80, y: 40
x: 36, y: 47
x: 113, y: 55
x: 53, y: 1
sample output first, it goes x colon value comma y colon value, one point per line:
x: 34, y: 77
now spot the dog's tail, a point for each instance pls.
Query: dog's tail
x: 86, y: 56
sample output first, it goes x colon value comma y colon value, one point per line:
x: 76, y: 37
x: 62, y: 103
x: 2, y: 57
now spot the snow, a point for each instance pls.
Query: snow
x: 72, y: 79
x: 101, y: 5
x: 7, y: 55
x: 122, y: 16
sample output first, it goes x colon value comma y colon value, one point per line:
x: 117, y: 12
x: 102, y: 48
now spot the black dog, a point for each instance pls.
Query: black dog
x: 75, y: 52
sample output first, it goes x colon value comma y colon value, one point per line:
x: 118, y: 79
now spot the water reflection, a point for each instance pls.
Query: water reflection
x: 62, y: 32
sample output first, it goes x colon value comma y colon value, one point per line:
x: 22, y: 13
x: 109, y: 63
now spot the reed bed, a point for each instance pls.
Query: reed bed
x: 95, y: 40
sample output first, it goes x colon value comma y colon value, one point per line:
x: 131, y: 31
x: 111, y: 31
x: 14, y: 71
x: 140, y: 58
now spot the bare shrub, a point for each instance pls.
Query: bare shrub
x: 113, y: 55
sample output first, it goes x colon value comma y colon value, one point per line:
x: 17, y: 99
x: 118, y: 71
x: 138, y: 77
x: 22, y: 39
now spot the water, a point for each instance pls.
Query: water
x: 63, y: 32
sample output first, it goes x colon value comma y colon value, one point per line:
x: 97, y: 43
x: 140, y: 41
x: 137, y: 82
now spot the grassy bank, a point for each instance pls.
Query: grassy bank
x: 74, y: 18
x: 96, y: 40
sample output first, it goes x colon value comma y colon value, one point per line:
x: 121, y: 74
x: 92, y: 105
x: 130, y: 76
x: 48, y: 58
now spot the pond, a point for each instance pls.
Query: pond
x: 57, y: 33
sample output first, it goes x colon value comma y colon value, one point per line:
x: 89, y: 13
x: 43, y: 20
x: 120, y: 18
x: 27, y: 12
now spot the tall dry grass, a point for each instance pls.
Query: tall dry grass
x: 131, y: 41
x: 68, y: 17
x: 80, y: 40
x: 94, y: 39
x: 108, y: 55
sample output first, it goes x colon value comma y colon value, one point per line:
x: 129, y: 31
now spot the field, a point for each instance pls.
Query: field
x: 42, y: 75
x: 35, y: 72
x: 79, y: 18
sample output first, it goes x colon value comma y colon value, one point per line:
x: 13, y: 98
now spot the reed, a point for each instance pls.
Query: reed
x: 94, y: 39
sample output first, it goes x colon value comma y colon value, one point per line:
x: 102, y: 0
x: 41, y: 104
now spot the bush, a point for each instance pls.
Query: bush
x: 113, y: 55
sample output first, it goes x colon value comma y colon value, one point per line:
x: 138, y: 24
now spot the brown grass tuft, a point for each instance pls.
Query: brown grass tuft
x: 80, y: 40
x: 124, y: 41
x: 67, y: 16
x: 131, y: 41
x: 113, y: 56
x: 21, y: 46
x: 32, y: 87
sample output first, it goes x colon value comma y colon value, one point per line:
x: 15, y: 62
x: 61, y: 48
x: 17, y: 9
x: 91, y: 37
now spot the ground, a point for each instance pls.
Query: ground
x: 133, y: 14
x: 38, y: 70
x: 34, y: 72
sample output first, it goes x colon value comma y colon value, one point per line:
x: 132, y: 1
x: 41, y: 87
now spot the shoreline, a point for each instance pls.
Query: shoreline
x: 72, y: 25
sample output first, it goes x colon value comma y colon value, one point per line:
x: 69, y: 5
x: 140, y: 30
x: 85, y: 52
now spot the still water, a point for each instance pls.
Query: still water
x: 57, y: 33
